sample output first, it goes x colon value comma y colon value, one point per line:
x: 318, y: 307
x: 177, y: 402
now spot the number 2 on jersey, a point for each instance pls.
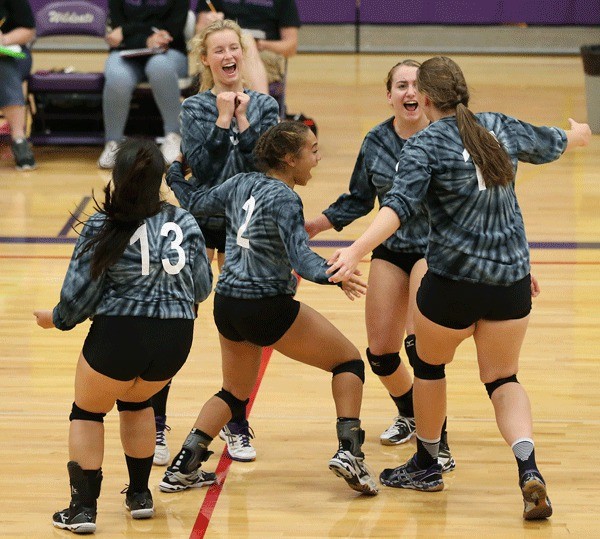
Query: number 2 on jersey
x: 249, y: 208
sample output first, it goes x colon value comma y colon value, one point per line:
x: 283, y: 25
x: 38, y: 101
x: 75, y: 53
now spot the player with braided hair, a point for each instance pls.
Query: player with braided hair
x: 219, y: 127
x: 478, y: 280
x: 254, y: 304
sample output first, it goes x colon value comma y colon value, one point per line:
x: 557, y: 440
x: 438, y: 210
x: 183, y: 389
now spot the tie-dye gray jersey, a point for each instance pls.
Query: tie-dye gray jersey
x: 372, y: 177
x: 162, y: 273
x: 265, y: 236
x: 476, y: 234
x: 215, y: 154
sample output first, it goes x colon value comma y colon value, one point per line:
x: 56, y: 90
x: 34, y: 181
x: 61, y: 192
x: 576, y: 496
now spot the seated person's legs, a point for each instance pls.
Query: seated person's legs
x: 163, y: 72
x: 12, y: 105
x: 121, y: 78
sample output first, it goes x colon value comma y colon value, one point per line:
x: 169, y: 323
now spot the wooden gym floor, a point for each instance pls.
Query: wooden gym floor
x: 288, y: 491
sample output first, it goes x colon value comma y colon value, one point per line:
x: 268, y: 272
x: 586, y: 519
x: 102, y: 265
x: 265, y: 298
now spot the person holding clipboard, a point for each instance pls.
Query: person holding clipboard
x: 17, y: 29
x: 146, y: 44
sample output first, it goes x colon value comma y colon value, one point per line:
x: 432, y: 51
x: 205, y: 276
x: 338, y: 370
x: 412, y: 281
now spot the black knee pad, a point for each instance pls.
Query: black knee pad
x: 355, y: 366
x: 84, y: 415
x: 492, y: 386
x: 410, y: 345
x: 237, y: 407
x: 124, y: 406
x: 385, y: 364
x: 427, y: 371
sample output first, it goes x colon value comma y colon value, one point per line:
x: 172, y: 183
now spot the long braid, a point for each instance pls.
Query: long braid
x: 442, y: 80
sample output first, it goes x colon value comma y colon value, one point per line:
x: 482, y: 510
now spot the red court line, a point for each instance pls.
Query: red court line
x: 214, y: 491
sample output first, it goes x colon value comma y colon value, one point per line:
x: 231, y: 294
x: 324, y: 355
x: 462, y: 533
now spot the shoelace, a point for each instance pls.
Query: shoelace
x: 245, y: 437
x: 160, y: 435
x: 401, y: 420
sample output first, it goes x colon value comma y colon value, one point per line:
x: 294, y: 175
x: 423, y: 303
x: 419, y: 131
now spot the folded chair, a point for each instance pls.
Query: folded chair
x: 66, y: 107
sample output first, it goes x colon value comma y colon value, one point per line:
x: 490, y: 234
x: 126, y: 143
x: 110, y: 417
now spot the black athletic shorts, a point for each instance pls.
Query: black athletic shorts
x: 405, y: 261
x: 214, y: 239
x: 459, y: 304
x: 125, y: 347
x: 259, y: 321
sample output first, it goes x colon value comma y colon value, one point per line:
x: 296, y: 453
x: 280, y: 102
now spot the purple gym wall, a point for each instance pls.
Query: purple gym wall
x: 543, y: 12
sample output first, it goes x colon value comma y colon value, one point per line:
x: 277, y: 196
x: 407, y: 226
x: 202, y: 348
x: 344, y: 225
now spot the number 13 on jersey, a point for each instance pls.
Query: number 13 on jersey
x: 141, y: 234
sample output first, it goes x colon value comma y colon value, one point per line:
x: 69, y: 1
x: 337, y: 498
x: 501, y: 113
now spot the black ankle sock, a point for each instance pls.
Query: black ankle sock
x: 524, y: 452
x: 444, y: 438
x: 427, y: 453
x: 404, y: 403
x: 139, y: 472
x: 159, y: 401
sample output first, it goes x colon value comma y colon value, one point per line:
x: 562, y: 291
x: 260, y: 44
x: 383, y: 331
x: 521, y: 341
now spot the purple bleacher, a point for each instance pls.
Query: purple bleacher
x: 74, y: 82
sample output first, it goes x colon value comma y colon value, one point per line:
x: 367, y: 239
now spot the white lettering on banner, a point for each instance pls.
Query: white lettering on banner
x: 70, y: 17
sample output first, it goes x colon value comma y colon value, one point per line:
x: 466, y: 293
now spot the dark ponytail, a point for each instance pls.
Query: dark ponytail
x: 443, y: 82
x: 132, y: 195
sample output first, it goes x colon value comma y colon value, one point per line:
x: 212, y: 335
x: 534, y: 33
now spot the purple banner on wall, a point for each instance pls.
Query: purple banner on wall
x: 543, y: 12
x: 327, y: 11
x: 565, y: 12
x: 430, y: 12
x: 585, y: 12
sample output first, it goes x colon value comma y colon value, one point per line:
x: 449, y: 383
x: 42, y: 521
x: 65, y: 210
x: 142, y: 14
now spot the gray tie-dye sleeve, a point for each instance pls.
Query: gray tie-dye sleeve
x: 361, y: 199
x: 201, y: 269
x: 182, y: 188
x: 537, y: 145
x: 410, y: 181
x: 290, y: 223
x: 80, y: 294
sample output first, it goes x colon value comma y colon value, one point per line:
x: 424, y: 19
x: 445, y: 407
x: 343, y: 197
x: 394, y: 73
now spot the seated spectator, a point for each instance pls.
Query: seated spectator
x: 17, y: 29
x: 158, y: 25
x: 270, y: 35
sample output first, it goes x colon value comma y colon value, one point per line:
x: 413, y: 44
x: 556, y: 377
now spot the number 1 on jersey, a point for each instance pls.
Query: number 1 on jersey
x: 249, y: 208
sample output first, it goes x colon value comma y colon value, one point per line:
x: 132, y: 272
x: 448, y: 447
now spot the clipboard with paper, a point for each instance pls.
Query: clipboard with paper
x: 146, y: 51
